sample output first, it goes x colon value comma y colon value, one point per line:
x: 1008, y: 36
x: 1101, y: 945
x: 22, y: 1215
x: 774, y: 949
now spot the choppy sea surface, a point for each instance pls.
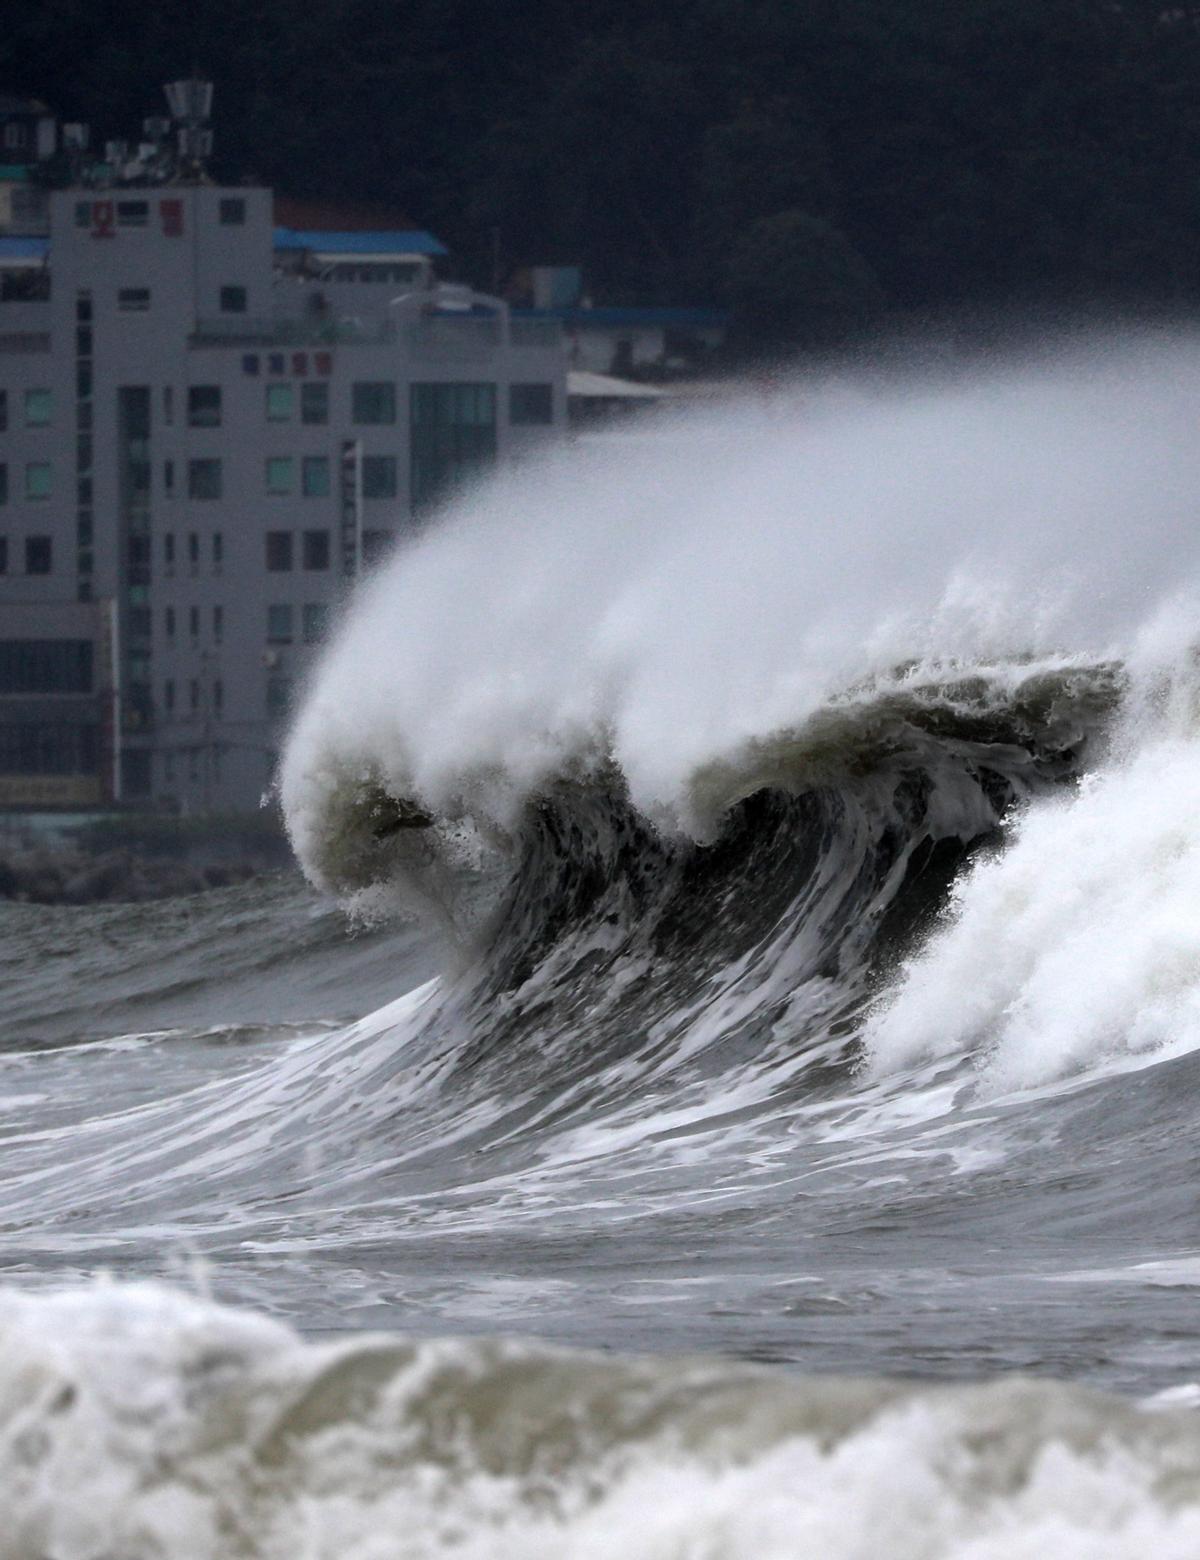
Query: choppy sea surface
x: 727, y: 1086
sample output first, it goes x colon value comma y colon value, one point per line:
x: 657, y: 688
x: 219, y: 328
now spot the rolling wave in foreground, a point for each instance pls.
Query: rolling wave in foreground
x: 775, y: 838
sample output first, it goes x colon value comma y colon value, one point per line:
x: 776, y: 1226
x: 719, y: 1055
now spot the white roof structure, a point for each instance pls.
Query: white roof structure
x: 586, y: 386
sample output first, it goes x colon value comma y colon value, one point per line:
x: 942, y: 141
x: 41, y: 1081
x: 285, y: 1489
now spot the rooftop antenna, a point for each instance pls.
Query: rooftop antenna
x: 190, y: 103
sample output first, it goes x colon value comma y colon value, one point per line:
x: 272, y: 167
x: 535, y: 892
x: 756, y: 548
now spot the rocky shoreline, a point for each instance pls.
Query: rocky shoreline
x: 56, y: 877
x: 130, y: 860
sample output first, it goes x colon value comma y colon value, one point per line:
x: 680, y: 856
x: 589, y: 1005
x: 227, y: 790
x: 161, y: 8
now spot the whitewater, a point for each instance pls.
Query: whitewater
x: 726, y: 1086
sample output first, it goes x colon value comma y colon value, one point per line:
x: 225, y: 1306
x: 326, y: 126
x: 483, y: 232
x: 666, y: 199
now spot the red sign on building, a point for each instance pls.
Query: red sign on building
x: 103, y: 218
x: 171, y: 212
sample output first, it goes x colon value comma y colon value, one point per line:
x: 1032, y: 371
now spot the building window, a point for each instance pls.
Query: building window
x: 83, y: 341
x: 46, y: 666
x: 168, y: 404
x: 279, y: 695
x: 37, y: 479
x: 453, y: 436
x: 83, y: 213
x: 218, y: 697
x: 218, y: 550
x: 169, y: 695
x: 194, y: 622
x: 169, y: 478
x: 204, y: 479
x: 194, y: 694
x: 218, y: 623
x: 194, y: 548
x: 133, y: 213
x: 3, y: 554
x: 279, y: 623
x: 316, y: 550
x: 280, y: 474
x: 250, y: 363
x: 169, y: 550
x: 231, y: 210
x: 379, y: 476
x: 315, y: 476
x: 83, y: 380
x: 169, y: 622
x: 204, y: 406
x: 530, y: 404
x: 373, y: 402
x: 15, y: 137
x: 316, y: 621
x: 39, y: 407
x: 279, y: 402
x: 232, y: 300
x: 133, y: 300
x: 3, y: 482
x: 314, y: 403
x: 279, y: 551
x: 375, y: 546
x: 3, y: 411
x: 37, y: 555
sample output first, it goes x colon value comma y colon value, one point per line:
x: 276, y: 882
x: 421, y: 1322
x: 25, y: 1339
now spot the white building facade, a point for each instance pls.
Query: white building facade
x: 209, y: 427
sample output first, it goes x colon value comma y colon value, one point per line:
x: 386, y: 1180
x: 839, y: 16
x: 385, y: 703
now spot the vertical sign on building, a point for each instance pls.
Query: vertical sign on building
x: 351, y: 501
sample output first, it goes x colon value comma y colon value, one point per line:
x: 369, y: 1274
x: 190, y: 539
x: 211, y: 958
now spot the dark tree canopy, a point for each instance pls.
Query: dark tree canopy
x: 908, y: 154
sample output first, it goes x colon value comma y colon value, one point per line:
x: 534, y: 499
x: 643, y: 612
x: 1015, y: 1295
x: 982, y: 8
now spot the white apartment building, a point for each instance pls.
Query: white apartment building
x: 209, y: 426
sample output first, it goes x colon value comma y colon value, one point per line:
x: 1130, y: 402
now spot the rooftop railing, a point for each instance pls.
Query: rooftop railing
x: 445, y: 337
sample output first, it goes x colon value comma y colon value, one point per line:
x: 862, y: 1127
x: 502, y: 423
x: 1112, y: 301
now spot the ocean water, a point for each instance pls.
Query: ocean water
x: 726, y: 1087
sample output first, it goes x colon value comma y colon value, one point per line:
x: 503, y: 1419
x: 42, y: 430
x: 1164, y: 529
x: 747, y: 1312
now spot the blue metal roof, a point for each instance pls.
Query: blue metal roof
x: 24, y: 248
x: 410, y: 241
x: 614, y: 318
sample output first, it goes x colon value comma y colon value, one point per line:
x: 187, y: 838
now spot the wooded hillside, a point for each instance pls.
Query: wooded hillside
x: 808, y: 163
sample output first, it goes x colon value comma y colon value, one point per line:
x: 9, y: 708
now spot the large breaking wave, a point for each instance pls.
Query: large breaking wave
x: 810, y: 791
x: 740, y: 696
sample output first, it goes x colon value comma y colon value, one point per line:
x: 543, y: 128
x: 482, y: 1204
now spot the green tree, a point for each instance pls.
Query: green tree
x: 796, y: 282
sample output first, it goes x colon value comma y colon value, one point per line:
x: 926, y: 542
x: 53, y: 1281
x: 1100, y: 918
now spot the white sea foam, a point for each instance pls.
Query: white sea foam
x: 670, y: 600
x: 142, y: 1423
x: 1078, y: 945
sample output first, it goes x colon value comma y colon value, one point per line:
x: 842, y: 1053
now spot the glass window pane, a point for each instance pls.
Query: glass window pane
x: 37, y: 479
x: 279, y: 623
x: 314, y: 403
x: 374, y: 402
x: 279, y: 402
x: 204, y: 479
x: 316, y: 476
x: 279, y: 551
x: 316, y: 549
x: 204, y: 406
x: 38, y: 408
x: 379, y: 476
x: 280, y: 474
x: 316, y: 621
